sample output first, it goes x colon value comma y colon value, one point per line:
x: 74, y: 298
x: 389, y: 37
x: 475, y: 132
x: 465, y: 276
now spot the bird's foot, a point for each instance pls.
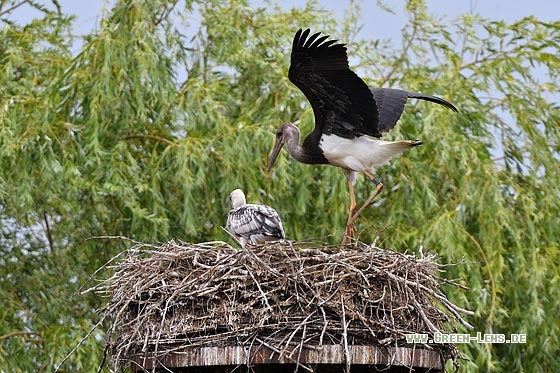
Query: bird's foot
x: 348, y: 233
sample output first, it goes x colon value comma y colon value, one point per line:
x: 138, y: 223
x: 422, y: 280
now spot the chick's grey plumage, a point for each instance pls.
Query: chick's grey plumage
x: 251, y: 223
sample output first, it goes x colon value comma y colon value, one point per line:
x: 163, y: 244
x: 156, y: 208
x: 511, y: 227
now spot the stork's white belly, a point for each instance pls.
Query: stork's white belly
x: 361, y: 153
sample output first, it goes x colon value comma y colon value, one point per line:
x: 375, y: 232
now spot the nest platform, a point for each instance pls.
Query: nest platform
x: 281, y: 307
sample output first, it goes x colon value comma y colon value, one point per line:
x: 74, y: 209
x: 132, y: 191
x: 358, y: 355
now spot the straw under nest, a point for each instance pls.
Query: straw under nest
x: 284, y: 295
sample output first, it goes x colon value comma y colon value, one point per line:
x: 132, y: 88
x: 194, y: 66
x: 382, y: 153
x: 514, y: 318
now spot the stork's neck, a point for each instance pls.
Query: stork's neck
x: 309, y: 152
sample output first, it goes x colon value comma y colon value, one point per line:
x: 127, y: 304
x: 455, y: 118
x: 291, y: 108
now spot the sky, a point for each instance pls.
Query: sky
x: 376, y: 24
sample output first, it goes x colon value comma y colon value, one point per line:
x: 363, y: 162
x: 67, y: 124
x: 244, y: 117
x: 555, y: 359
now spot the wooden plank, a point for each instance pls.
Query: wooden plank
x: 261, y: 355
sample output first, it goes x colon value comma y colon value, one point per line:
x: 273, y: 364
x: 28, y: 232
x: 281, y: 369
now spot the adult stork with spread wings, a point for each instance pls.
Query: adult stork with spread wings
x: 347, y: 115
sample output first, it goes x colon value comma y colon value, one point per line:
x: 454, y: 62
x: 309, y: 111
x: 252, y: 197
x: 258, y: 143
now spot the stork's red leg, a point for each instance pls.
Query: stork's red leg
x: 378, y: 189
x: 349, y: 231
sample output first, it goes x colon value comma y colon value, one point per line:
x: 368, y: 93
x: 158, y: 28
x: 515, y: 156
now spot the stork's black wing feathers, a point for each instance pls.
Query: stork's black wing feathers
x: 342, y: 102
x: 255, y: 223
x: 390, y: 103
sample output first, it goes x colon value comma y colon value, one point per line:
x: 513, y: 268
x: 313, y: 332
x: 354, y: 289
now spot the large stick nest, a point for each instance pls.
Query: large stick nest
x: 167, y: 297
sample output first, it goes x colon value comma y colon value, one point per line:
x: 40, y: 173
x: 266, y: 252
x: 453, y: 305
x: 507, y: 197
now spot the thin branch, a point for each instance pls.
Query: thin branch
x: 15, y: 6
x: 49, y: 232
x: 79, y: 344
x: 16, y: 333
x: 348, y: 362
x: 402, y: 57
x: 490, y: 276
x: 151, y: 137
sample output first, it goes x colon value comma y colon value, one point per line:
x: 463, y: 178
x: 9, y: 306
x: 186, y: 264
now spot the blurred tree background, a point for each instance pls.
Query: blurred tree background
x: 169, y: 105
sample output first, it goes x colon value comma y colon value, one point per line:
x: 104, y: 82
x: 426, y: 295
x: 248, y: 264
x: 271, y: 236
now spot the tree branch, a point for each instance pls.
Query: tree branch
x: 16, y: 333
x: 13, y: 7
x: 151, y: 137
x: 490, y: 277
x: 49, y: 232
x: 402, y: 56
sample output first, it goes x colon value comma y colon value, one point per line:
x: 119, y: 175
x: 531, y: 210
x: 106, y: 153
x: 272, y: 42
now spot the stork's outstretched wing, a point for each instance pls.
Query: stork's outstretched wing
x: 390, y: 104
x: 342, y: 102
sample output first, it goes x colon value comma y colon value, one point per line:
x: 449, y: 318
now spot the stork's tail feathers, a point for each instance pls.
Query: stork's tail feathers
x: 405, y: 144
x: 396, y: 148
x: 388, y: 150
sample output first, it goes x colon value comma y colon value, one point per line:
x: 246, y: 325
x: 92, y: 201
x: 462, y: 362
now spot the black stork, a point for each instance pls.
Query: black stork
x: 252, y: 224
x: 347, y: 115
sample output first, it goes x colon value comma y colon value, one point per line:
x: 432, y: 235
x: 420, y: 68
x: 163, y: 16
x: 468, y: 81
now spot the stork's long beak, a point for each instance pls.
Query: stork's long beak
x: 275, y: 151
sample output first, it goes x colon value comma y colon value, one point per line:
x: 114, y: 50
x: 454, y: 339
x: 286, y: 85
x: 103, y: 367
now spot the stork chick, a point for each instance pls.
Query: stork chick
x: 251, y: 223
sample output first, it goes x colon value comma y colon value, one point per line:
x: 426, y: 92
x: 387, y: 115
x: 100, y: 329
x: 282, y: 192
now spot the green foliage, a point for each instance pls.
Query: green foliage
x: 170, y: 105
